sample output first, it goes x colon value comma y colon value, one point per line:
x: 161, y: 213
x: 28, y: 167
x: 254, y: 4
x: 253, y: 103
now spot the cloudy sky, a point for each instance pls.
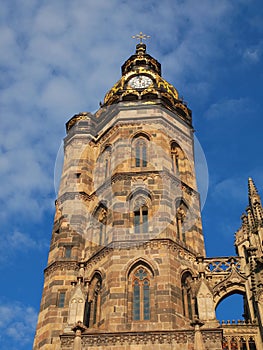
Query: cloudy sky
x: 58, y: 58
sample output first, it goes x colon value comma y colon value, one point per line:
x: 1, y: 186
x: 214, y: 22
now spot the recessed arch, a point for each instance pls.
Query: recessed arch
x: 233, y: 305
x: 96, y: 273
x: 140, y: 209
x: 188, y: 301
x: 141, y: 134
x: 101, y: 204
x: 139, y: 191
x: 181, y: 210
x: 140, y: 290
x: 92, y: 309
x: 141, y: 262
x: 229, y: 290
x: 107, y: 147
x: 185, y: 272
x: 99, y: 223
x: 180, y: 164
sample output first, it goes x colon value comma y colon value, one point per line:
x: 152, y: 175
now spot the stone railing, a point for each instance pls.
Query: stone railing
x: 221, y: 265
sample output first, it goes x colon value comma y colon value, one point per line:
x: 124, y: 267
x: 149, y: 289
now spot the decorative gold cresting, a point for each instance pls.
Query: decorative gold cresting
x: 141, y: 64
x: 141, y: 37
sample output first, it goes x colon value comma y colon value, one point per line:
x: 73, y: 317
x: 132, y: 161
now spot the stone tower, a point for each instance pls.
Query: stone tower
x: 127, y: 266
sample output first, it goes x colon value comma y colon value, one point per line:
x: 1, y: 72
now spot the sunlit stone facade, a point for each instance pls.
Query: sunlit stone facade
x: 127, y: 266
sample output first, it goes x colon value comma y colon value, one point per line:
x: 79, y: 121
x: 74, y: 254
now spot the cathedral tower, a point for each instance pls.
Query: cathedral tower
x: 127, y: 266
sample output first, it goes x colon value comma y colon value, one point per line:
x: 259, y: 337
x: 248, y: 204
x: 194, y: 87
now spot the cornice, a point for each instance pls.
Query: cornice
x: 61, y: 266
x: 156, y: 243
x: 121, y: 176
x: 140, y: 338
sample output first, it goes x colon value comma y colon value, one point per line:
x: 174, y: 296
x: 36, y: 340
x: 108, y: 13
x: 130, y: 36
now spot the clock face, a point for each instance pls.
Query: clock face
x: 140, y: 82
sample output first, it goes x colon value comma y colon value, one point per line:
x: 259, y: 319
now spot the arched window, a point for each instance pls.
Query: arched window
x: 141, y: 219
x: 107, y: 161
x: 140, y: 208
x: 92, y: 306
x: 100, y: 225
x: 181, y: 211
x: 175, y: 158
x: 140, y: 150
x: 187, y: 298
x: 141, y: 294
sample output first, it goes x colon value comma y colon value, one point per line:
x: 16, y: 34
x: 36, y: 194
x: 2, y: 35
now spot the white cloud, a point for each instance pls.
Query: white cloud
x: 228, y: 108
x: 253, y: 54
x: 230, y: 191
x: 17, y: 324
x: 12, y: 243
x: 57, y: 60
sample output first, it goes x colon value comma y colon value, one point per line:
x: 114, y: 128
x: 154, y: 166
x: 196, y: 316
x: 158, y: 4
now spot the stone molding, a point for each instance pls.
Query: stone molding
x: 154, y: 243
x: 141, y: 338
x: 62, y: 266
x: 128, y: 176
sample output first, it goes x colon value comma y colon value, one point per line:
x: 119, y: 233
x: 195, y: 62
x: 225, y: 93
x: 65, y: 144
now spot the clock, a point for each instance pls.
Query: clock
x: 140, y: 82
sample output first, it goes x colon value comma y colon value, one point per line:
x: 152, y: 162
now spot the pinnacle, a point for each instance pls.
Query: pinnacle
x: 252, y: 190
x: 253, y: 195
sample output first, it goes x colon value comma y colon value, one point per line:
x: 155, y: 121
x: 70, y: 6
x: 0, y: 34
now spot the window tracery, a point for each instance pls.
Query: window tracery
x: 140, y: 205
x: 141, y: 294
x: 140, y: 150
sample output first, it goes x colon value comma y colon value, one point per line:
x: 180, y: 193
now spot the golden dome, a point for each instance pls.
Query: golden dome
x: 142, y: 81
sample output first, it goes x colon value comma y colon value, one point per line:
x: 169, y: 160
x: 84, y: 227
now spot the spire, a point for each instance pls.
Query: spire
x: 253, y: 195
x: 254, y: 201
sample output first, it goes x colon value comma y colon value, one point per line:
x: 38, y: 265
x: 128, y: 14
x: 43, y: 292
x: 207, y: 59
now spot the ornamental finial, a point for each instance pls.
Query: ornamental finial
x: 141, y: 37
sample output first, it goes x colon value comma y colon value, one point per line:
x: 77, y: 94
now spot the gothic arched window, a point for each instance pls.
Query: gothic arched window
x: 100, y: 225
x: 175, y: 157
x: 140, y: 150
x: 140, y: 206
x: 107, y: 161
x: 141, y: 294
x: 181, y: 211
x: 141, y: 219
x: 92, y: 306
x: 187, y: 298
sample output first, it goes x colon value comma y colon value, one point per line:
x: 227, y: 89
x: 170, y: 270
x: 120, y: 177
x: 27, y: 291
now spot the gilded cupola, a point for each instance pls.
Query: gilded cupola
x: 141, y: 81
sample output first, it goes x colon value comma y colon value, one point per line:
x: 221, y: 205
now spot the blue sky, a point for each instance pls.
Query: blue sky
x: 60, y: 57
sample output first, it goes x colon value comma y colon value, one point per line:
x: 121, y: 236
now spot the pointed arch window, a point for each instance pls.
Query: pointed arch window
x: 175, y: 158
x: 141, y: 295
x: 141, y: 219
x: 100, y: 224
x: 107, y: 161
x: 93, y: 302
x: 141, y: 154
x: 181, y: 211
x: 140, y: 151
x: 140, y: 210
x: 187, y: 297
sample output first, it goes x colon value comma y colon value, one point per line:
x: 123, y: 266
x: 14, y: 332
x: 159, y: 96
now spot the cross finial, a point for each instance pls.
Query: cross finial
x: 141, y: 37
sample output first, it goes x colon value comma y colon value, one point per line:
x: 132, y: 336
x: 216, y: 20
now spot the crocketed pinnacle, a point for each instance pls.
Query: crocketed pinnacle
x: 253, y: 195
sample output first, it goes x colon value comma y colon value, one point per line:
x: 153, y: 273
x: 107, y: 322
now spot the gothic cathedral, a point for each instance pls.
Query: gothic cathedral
x: 127, y: 267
